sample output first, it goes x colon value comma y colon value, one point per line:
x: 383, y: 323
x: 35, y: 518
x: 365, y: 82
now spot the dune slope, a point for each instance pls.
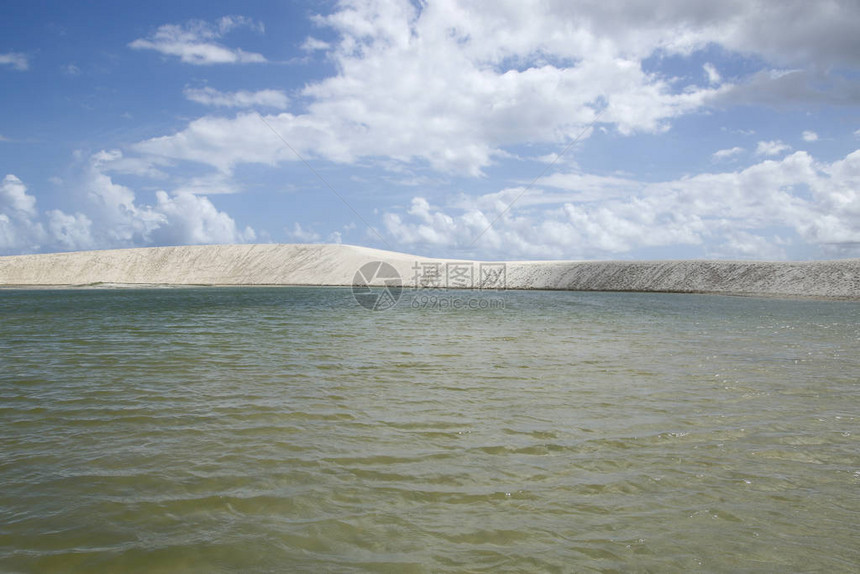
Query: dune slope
x: 273, y: 264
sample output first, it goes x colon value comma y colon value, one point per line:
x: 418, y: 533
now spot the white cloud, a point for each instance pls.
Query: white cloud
x: 70, y: 232
x: 734, y: 211
x: 190, y: 219
x: 19, y: 229
x: 177, y: 219
x: 241, y: 99
x: 549, y: 158
x: 582, y: 187
x: 431, y: 85
x: 216, y: 183
x: 112, y: 216
x: 744, y: 245
x: 771, y: 148
x: 456, y: 83
x: 228, y: 23
x: 8, y: 237
x: 810, y: 136
x: 120, y: 221
x: 313, y: 44
x: 726, y: 154
x: 224, y: 142
x: 14, y: 199
x: 195, y: 42
x: 114, y: 161
x: 714, y: 76
x: 16, y: 60
x: 303, y: 235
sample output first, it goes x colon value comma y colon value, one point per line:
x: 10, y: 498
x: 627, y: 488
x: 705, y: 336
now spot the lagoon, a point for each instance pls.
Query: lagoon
x: 289, y: 429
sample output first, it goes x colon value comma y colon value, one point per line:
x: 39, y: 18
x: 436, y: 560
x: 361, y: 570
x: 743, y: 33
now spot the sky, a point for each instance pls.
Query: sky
x: 503, y: 129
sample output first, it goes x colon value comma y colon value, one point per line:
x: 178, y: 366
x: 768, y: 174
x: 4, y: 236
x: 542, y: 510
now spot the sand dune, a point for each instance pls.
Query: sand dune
x: 272, y: 264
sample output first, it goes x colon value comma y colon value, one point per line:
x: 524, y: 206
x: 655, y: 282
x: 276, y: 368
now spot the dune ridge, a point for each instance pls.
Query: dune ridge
x: 336, y: 265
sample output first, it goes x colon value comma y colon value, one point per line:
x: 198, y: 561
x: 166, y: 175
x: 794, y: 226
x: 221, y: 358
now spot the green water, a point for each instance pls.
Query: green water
x: 290, y: 430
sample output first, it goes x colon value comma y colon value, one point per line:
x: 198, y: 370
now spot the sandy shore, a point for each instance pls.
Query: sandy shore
x: 272, y: 264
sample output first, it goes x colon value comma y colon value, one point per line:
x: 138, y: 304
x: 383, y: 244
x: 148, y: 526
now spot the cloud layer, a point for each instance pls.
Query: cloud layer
x: 454, y: 84
x: 758, y: 212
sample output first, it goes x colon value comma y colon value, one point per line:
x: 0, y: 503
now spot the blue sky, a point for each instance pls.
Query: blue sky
x: 497, y: 130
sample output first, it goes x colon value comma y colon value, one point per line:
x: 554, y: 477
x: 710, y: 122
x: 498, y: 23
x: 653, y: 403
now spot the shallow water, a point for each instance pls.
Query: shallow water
x: 289, y: 429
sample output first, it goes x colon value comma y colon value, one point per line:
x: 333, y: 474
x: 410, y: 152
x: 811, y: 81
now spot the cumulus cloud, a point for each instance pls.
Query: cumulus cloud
x: 771, y: 148
x: 189, y: 219
x: 810, y: 136
x: 14, y: 199
x: 241, y: 99
x: 458, y: 85
x: 16, y: 60
x: 112, y: 217
x: 195, y: 42
x: 180, y: 218
x: 455, y: 84
x: 19, y: 228
x: 427, y: 84
x: 22, y: 226
x: 70, y: 232
x: 736, y: 212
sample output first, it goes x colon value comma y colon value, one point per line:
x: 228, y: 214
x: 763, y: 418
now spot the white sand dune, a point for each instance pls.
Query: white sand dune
x: 272, y: 264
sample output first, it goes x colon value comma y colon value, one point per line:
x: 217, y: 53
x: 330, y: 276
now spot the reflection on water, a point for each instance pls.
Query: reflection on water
x: 289, y: 429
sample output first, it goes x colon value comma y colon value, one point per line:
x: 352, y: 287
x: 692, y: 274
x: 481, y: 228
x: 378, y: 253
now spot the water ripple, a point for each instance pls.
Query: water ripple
x: 269, y: 430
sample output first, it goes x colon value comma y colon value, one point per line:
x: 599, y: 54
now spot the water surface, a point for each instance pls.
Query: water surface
x: 289, y: 429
